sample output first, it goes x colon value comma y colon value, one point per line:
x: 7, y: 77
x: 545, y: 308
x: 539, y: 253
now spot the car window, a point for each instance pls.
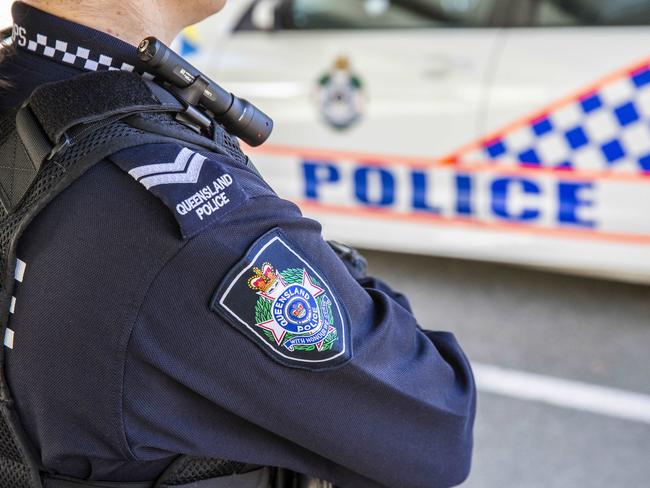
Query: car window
x: 590, y: 12
x: 384, y: 14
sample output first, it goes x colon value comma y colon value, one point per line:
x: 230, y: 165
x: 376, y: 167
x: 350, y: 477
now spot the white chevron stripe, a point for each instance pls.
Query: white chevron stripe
x: 151, y: 169
x: 189, y: 176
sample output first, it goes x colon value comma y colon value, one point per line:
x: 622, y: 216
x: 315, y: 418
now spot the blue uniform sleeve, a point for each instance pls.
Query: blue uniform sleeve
x: 357, y: 265
x: 373, y: 283
x: 256, y: 344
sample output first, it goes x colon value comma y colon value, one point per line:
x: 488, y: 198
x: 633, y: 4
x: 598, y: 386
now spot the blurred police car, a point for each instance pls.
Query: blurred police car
x: 505, y: 130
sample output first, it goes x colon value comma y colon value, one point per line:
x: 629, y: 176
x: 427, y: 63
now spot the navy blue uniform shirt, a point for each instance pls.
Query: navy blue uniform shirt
x: 168, y: 302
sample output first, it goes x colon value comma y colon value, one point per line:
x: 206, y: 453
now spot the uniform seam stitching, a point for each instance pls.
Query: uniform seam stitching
x: 136, y: 321
x: 128, y: 342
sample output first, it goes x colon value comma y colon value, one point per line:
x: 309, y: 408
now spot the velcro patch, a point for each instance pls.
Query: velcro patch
x: 198, y: 190
x: 278, y: 299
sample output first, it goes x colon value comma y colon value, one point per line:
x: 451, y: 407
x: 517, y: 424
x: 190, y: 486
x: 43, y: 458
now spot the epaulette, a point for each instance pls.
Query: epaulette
x: 199, y: 188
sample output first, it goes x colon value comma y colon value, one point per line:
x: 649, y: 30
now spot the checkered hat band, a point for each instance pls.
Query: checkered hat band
x: 72, y: 55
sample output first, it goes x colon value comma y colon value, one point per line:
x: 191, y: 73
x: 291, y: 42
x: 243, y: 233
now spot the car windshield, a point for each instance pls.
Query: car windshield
x: 592, y: 12
x: 374, y: 14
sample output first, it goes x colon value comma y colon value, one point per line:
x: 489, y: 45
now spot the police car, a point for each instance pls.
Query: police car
x: 5, y: 13
x: 505, y: 130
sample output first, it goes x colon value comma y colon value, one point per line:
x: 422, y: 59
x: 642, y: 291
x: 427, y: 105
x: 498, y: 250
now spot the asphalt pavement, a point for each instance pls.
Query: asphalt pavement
x: 587, y: 331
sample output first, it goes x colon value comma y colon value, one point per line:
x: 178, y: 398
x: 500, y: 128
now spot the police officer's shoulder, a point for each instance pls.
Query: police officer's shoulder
x: 200, y: 179
x: 200, y: 188
x: 271, y: 276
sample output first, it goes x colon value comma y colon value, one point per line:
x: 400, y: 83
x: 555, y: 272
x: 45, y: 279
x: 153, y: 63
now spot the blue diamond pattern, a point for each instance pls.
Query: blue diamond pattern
x: 613, y: 150
x: 641, y: 78
x: 576, y: 137
x: 529, y: 157
x: 645, y: 162
x: 591, y: 103
x: 627, y: 114
x: 542, y: 127
x: 496, y: 149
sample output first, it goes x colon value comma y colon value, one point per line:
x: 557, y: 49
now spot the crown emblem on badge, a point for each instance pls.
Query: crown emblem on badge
x: 264, y: 278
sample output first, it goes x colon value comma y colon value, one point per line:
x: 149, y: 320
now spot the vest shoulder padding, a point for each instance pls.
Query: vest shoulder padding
x: 199, y: 188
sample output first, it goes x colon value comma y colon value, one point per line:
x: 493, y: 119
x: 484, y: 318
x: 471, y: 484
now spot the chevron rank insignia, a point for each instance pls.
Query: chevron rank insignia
x: 197, y: 190
x: 279, y: 300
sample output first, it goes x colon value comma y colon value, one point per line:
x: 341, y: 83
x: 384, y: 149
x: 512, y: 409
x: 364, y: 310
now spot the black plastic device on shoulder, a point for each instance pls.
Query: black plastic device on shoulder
x: 240, y: 117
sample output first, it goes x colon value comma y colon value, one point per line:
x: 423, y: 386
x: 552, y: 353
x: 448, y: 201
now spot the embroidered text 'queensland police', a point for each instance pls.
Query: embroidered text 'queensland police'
x: 207, y: 200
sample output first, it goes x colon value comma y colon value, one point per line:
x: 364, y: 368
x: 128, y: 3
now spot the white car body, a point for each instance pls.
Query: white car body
x: 413, y: 173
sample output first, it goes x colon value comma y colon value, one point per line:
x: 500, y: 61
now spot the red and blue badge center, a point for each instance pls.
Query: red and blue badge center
x: 296, y: 311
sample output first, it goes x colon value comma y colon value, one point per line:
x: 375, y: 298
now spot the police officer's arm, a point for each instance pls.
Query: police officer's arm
x: 357, y: 265
x: 255, y: 343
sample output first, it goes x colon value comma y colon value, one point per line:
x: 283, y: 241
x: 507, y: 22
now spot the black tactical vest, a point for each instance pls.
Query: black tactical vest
x: 44, y: 147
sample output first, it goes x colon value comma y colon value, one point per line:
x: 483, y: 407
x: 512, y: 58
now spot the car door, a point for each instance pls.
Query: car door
x: 400, y: 77
x: 559, y: 50
x: 359, y: 87
x: 571, y: 91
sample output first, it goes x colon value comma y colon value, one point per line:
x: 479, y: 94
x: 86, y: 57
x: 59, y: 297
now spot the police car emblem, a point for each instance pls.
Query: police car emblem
x: 341, y: 95
x: 278, y: 299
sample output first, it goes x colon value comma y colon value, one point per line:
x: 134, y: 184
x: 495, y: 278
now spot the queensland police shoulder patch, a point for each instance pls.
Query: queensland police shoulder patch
x: 280, y: 301
x: 199, y: 191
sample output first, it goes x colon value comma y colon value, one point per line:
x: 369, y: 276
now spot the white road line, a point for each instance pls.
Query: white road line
x: 563, y: 393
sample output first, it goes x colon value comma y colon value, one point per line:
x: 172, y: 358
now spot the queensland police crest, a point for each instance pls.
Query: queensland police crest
x: 341, y: 95
x: 280, y: 301
x: 292, y: 310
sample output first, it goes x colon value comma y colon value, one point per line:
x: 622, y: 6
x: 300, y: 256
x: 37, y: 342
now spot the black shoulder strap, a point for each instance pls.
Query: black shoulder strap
x: 59, y: 113
x: 94, y: 97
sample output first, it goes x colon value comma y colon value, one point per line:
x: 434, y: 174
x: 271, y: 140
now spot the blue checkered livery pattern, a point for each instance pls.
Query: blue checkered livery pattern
x: 605, y: 129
